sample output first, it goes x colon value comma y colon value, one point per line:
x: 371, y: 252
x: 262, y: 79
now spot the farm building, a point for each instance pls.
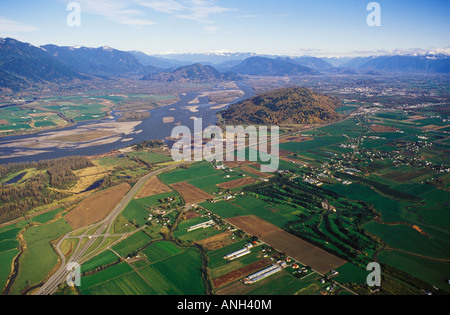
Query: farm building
x: 239, y: 253
x: 262, y: 274
x: 203, y: 225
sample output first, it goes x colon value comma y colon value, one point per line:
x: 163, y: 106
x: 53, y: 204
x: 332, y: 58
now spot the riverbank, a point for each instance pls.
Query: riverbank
x: 106, y: 135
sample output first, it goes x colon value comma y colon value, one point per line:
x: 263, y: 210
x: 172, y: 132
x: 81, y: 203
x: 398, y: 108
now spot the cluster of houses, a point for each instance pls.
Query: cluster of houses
x: 313, y: 181
x: 158, y: 219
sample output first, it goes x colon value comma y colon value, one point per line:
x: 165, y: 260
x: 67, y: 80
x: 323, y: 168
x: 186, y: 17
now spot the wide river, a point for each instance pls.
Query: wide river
x: 153, y: 128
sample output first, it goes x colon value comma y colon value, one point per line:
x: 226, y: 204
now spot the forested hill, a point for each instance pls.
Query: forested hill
x: 196, y: 73
x: 285, y: 106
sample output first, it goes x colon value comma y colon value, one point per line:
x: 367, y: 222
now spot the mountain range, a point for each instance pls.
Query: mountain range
x: 23, y: 65
x: 196, y: 73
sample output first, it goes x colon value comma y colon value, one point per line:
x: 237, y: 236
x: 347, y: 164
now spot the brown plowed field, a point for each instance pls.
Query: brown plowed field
x: 302, y: 251
x: 381, y: 128
x: 237, y: 288
x: 241, y: 273
x: 403, y: 176
x: 285, y: 152
x: 190, y: 193
x: 237, y: 183
x: 256, y: 172
x: 253, y: 225
x: 153, y: 187
x: 295, y: 139
x: 96, y: 207
x: 216, y: 241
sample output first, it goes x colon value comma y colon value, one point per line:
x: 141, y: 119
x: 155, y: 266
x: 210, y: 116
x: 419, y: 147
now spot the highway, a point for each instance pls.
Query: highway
x: 60, y: 276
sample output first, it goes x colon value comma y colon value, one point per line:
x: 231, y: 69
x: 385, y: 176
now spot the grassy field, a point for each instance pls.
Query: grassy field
x: 150, y: 157
x: 167, y: 269
x: 39, y: 257
x: 9, y: 248
x: 195, y: 171
x: 433, y: 272
x: 408, y: 239
x: 131, y: 244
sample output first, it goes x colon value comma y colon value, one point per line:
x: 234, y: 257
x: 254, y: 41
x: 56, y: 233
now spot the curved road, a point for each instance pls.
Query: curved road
x: 60, y: 276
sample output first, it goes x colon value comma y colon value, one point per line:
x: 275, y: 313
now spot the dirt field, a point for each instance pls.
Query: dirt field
x: 216, y: 241
x: 191, y: 215
x: 190, y: 193
x: 241, y: 273
x: 295, y: 139
x: 403, y: 176
x: 297, y: 161
x: 237, y: 288
x: 96, y: 207
x: 153, y: 187
x: 304, y: 252
x: 416, y: 117
x: 253, y: 225
x: 237, y: 183
x: 285, y: 153
x: 433, y: 127
x: 256, y: 172
x: 381, y: 128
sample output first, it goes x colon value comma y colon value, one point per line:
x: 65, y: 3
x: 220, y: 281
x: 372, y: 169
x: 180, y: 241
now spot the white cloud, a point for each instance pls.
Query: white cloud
x: 119, y: 11
x: 201, y: 10
x: 164, y: 6
x: 9, y: 26
x: 211, y: 29
x: 248, y: 16
x: 133, y: 12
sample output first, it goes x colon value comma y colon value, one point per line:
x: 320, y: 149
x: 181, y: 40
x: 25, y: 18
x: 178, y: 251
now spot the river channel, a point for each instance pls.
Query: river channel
x: 152, y: 128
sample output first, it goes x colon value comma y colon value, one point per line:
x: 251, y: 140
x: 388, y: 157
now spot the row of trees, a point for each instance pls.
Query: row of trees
x: 149, y: 144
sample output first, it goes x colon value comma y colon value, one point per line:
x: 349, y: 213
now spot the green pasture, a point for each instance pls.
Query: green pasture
x: 132, y: 243
x: 8, y: 250
x: 176, y: 273
x: 39, y: 258
x: 432, y: 272
x: 195, y: 171
x: 408, y: 239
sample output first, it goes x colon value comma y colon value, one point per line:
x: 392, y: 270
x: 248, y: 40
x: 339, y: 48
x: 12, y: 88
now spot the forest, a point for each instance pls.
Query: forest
x: 284, y: 106
x: 37, y: 184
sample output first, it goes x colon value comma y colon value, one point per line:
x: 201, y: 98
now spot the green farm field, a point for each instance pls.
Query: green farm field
x: 39, y: 257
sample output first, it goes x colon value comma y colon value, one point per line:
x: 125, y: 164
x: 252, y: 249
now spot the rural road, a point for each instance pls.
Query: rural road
x: 60, y: 276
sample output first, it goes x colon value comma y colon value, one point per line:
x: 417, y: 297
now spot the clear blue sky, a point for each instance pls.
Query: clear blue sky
x: 285, y: 27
